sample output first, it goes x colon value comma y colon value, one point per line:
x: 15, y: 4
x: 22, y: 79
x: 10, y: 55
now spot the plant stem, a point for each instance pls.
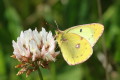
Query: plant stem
x: 39, y: 72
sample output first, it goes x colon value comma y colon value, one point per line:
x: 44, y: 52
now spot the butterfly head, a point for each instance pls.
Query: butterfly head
x: 58, y: 35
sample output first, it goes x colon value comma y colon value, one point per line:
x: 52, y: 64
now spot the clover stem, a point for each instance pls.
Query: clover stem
x: 39, y: 72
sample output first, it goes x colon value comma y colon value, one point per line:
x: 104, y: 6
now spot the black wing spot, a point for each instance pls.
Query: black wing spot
x: 80, y: 30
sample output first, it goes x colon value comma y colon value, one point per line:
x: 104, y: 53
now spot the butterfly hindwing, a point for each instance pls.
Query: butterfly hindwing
x: 75, y: 49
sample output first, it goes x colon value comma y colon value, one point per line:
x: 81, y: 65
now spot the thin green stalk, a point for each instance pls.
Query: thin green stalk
x: 39, y: 72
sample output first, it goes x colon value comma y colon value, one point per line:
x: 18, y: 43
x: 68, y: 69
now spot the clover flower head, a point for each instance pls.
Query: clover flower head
x: 34, y: 48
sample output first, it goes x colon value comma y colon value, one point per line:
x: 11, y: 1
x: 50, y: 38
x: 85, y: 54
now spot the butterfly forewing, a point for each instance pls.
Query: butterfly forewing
x: 91, y: 32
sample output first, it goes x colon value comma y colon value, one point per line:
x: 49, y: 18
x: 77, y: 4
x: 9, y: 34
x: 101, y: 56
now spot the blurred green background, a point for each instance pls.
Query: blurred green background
x: 17, y: 15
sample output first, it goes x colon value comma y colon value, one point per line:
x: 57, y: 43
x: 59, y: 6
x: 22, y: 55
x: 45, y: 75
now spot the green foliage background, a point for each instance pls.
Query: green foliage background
x: 17, y: 15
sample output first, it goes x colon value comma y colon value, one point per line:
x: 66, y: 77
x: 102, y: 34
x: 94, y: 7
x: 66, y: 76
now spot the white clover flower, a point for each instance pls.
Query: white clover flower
x: 34, y: 46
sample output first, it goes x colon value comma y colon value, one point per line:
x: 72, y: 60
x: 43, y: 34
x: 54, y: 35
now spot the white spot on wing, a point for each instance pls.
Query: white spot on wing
x: 77, y: 46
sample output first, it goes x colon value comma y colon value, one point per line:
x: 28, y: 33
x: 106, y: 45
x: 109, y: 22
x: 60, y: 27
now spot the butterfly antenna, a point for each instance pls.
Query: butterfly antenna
x: 56, y: 25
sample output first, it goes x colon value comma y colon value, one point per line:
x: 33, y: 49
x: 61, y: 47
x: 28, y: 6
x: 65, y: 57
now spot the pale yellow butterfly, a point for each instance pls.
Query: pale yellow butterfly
x: 76, y: 43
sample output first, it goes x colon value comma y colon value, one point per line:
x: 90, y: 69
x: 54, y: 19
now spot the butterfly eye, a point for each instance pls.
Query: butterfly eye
x: 80, y: 30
